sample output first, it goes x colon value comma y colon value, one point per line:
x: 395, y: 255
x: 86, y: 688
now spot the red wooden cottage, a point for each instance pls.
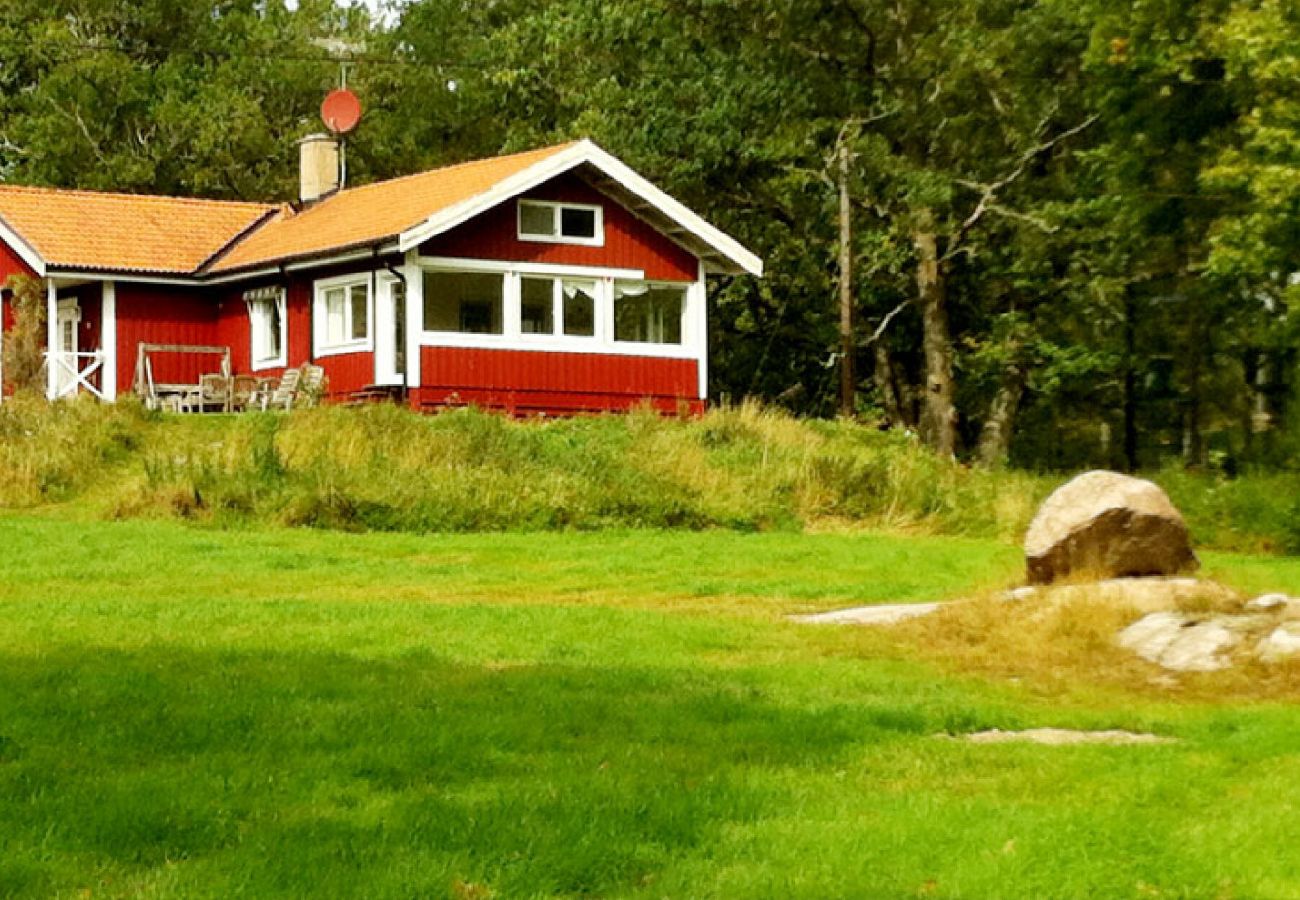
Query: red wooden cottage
x: 554, y: 281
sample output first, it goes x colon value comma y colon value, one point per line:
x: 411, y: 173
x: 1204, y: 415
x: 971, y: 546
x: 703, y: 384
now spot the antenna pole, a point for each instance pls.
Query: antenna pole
x: 343, y: 138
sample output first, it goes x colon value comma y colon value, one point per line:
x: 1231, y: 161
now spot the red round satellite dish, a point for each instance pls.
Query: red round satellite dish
x: 341, y: 111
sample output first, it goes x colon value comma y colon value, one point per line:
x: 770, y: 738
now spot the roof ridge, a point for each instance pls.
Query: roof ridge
x: 483, y: 160
x: 170, y: 198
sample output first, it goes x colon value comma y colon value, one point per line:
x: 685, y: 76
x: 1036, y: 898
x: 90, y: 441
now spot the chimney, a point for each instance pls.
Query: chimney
x: 318, y: 164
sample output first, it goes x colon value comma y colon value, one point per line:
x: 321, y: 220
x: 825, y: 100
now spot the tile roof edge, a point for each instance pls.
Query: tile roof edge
x: 256, y: 225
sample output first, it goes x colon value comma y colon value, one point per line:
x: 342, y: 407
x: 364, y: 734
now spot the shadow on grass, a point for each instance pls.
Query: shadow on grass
x: 197, y: 772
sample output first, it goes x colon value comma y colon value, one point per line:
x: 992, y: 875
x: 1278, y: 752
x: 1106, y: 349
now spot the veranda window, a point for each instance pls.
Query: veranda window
x: 648, y: 313
x: 464, y: 302
x: 557, y: 306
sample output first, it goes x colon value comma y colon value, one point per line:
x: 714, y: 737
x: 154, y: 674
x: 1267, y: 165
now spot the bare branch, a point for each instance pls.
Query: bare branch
x: 989, y: 192
x: 884, y: 323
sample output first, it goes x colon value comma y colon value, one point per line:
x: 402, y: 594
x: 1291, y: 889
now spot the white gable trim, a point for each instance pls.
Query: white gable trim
x: 26, y: 252
x: 583, y: 152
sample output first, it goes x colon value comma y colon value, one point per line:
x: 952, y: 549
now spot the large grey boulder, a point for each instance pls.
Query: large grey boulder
x: 1107, y: 525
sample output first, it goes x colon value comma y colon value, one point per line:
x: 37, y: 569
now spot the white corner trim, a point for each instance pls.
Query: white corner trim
x: 26, y: 252
x: 108, y: 340
x: 583, y: 152
x: 51, y: 337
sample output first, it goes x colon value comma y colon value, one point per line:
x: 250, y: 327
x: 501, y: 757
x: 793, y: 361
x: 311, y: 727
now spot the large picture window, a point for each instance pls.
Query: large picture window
x: 266, y: 319
x: 343, y: 316
x: 464, y: 302
x: 648, y: 313
x: 564, y: 223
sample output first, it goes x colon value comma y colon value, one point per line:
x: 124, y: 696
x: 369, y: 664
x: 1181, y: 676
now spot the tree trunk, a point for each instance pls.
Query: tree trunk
x: 891, y: 398
x: 1130, y: 382
x: 848, y: 382
x: 939, y: 412
x: 995, y: 436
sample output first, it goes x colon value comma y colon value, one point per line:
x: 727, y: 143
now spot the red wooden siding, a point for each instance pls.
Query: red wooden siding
x: 629, y: 242
x: 529, y: 381
x: 165, y: 315
x: 11, y: 264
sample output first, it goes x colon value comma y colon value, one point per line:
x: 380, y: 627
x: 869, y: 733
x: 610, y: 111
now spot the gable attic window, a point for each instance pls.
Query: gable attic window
x: 561, y: 223
x: 266, y: 321
x: 342, y: 314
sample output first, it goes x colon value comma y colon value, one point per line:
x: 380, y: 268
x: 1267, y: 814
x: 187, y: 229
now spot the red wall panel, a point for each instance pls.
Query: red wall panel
x: 532, y: 381
x: 165, y: 315
x: 630, y: 243
x: 11, y: 264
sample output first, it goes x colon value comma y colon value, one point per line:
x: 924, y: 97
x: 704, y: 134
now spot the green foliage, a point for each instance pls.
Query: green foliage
x: 1111, y: 186
x: 24, y: 343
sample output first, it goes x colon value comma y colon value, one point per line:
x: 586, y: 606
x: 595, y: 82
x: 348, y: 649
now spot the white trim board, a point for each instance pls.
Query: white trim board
x: 26, y: 252
x: 527, y: 268
x: 584, y: 152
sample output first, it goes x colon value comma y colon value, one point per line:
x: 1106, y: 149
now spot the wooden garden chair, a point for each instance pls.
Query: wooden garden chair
x: 282, y: 396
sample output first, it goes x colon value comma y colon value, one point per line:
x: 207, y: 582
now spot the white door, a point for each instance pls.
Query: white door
x: 68, y: 320
x: 390, y: 332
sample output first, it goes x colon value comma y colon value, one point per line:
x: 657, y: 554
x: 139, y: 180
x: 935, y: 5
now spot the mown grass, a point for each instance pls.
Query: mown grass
x: 267, y: 712
x: 386, y: 469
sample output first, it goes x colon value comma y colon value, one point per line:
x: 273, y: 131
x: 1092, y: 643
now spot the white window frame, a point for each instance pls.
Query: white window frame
x: 509, y: 307
x: 693, y: 323
x: 256, y: 322
x: 320, y: 345
x: 557, y: 212
x: 686, y: 323
x: 597, y: 286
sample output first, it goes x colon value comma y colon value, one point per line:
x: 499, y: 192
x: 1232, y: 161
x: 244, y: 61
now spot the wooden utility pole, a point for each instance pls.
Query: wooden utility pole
x: 848, y: 385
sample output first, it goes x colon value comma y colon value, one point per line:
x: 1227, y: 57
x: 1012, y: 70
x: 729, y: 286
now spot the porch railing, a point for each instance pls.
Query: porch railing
x: 74, y: 370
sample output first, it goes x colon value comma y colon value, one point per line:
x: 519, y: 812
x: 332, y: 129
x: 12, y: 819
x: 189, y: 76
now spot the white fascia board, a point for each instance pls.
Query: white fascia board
x: 26, y: 252
x: 583, y: 152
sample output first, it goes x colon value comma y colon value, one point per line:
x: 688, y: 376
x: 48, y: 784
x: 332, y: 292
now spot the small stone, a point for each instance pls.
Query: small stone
x: 1281, y: 644
x: 1265, y: 602
x: 1021, y: 593
x: 1062, y: 736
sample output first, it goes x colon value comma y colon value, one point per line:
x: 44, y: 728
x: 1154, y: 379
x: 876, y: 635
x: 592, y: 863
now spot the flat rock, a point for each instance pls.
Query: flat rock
x: 1059, y: 736
x: 1282, y: 643
x: 886, y: 614
x: 1181, y: 643
x: 1110, y: 525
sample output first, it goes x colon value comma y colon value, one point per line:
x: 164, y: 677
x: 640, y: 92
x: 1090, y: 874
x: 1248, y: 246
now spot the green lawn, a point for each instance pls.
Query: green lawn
x: 201, y: 713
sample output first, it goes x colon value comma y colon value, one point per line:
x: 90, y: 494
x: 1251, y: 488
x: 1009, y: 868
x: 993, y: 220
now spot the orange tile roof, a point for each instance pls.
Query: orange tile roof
x: 374, y: 212
x: 124, y: 232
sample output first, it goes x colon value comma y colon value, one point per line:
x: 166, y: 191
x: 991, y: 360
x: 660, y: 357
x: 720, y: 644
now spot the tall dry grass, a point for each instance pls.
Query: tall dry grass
x: 385, y: 468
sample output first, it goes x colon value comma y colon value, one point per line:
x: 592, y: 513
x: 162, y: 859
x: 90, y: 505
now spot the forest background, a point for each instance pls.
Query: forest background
x: 1067, y: 231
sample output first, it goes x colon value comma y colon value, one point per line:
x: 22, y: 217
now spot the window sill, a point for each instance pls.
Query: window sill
x: 598, y: 241
x: 340, y: 349
x: 261, y: 365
